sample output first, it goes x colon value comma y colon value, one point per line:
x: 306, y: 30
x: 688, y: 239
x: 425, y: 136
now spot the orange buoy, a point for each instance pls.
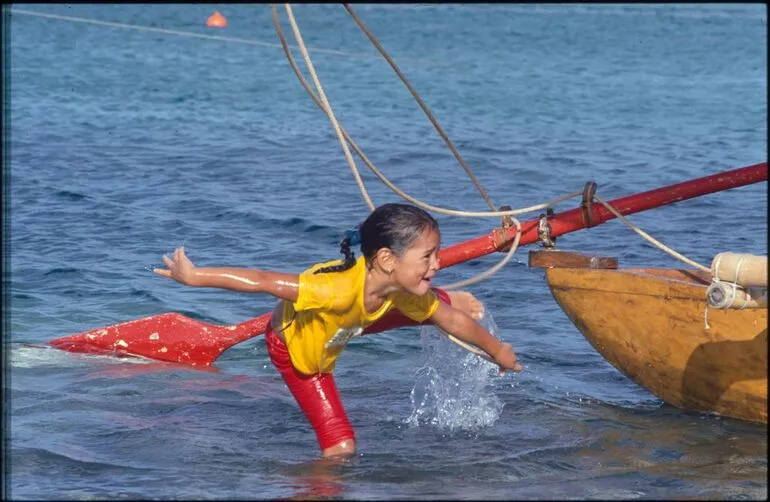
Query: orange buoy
x: 216, y: 20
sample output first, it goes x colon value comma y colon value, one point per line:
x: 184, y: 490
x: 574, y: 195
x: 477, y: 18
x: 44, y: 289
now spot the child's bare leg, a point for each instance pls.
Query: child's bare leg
x: 466, y: 302
x: 346, y: 447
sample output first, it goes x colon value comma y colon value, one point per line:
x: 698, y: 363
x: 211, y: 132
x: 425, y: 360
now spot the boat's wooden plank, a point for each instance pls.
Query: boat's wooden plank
x: 550, y: 258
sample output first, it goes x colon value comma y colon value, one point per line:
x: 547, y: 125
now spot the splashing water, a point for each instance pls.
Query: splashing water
x: 452, y: 389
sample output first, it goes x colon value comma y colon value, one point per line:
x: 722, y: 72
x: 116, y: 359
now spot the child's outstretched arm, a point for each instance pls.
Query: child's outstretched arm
x: 462, y: 326
x: 245, y: 280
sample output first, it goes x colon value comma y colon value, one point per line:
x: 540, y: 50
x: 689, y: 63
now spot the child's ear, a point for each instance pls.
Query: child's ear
x: 385, y: 259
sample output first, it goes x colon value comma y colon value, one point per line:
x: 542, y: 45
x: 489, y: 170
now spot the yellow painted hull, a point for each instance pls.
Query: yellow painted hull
x: 649, y: 323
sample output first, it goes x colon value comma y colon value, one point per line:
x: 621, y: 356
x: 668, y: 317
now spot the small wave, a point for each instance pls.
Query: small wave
x: 293, y: 223
x: 23, y: 296
x: 62, y: 270
x: 144, y: 294
x: 74, y: 458
x: 307, y: 228
x: 72, y: 196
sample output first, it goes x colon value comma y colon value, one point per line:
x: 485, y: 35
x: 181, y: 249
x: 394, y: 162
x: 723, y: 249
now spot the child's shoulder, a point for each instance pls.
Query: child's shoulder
x: 334, y: 290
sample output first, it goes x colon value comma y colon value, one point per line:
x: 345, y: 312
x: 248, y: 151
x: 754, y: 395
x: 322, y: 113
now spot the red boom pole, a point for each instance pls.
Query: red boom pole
x: 575, y: 219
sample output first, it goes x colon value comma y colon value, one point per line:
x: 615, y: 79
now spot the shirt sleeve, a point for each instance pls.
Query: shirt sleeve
x: 316, y: 291
x: 416, y: 308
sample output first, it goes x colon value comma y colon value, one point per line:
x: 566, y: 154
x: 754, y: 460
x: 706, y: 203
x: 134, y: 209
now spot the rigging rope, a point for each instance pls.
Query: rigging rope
x: 424, y: 107
x: 650, y: 238
x: 341, y: 132
x: 381, y: 176
x: 191, y: 34
x: 378, y: 173
x: 345, y: 137
x: 327, y: 107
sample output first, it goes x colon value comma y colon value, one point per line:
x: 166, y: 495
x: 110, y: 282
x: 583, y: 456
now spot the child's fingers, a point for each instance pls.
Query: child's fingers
x: 183, y: 255
x: 162, y: 271
x: 168, y: 261
x: 516, y: 367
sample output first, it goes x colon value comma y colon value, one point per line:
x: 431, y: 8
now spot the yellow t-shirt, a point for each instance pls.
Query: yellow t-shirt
x: 330, y: 311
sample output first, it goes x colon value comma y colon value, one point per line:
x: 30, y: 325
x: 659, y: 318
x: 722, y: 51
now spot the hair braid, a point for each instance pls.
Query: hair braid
x: 350, y: 259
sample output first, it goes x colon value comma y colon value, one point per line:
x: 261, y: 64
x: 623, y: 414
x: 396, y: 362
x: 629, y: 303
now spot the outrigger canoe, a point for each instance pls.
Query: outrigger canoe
x: 657, y: 328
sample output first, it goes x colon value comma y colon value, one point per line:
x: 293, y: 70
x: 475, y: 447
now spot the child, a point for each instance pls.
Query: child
x: 323, y: 308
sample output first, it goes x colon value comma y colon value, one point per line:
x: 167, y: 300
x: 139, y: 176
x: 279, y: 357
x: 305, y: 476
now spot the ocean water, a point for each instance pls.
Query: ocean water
x: 121, y: 143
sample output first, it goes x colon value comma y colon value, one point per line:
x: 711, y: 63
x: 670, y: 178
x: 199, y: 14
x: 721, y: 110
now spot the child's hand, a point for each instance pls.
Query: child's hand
x: 181, y: 269
x: 506, y: 359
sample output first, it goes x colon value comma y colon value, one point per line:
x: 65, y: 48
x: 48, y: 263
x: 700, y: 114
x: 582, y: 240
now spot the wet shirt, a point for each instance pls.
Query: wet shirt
x: 329, y: 312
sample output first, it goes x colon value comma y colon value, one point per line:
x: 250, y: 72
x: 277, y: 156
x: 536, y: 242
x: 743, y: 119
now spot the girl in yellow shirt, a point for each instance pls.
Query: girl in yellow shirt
x: 324, y: 307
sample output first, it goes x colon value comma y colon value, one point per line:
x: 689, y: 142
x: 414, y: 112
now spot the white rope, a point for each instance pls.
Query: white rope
x: 343, y: 138
x: 322, y: 103
x: 328, y: 108
x: 423, y: 106
x: 386, y: 181
x: 716, y: 264
x: 717, y: 285
x: 467, y: 346
x: 493, y: 270
x: 664, y: 248
x: 651, y: 239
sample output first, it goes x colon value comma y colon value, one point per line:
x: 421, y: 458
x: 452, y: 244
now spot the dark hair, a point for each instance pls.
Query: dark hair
x: 394, y: 226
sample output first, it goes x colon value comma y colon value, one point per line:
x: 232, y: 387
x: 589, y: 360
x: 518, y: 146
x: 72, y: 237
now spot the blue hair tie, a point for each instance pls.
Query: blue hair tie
x: 354, y: 236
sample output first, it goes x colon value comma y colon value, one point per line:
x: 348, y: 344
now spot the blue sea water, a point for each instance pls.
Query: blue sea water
x: 122, y: 143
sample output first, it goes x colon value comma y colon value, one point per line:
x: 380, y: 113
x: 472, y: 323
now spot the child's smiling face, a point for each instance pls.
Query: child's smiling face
x: 415, y: 269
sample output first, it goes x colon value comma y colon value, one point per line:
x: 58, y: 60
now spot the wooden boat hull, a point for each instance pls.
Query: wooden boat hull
x: 651, y: 325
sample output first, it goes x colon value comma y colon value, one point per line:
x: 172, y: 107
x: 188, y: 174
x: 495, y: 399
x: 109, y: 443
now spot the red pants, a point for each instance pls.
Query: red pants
x: 317, y: 395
